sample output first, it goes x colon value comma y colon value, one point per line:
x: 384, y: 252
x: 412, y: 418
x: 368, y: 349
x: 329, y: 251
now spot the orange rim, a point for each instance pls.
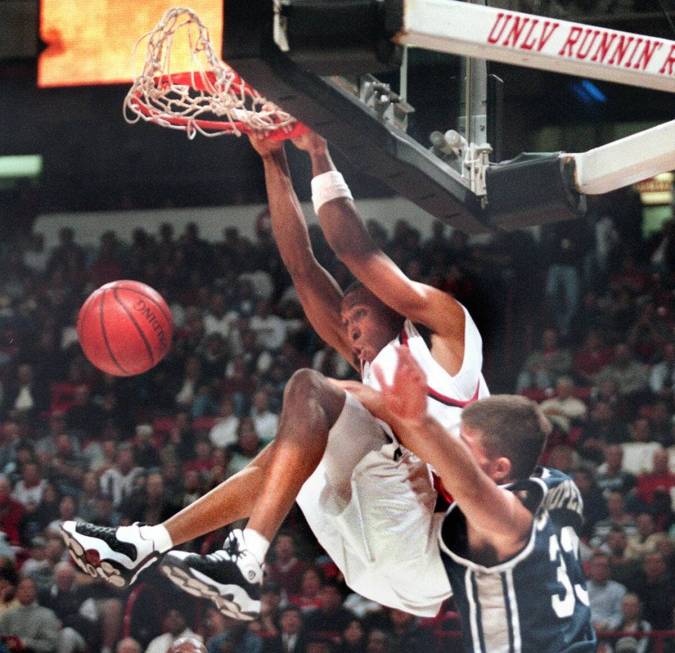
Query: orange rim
x: 197, y: 81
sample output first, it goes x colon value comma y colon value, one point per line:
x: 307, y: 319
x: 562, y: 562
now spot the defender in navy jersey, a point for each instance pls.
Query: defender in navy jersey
x: 537, y: 600
x: 509, y: 541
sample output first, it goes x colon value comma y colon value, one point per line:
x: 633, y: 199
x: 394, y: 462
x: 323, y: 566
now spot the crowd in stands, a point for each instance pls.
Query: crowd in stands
x: 581, y: 319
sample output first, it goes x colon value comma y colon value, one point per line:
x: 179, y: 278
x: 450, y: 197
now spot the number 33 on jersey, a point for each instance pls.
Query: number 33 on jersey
x: 537, y: 600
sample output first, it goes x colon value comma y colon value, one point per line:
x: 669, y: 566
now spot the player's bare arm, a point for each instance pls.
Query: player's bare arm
x: 319, y: 293
x: 349, y: 239
x: 495, y: 514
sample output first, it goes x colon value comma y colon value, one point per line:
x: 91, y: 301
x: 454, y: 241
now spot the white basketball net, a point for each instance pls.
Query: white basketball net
x: 211, y: 100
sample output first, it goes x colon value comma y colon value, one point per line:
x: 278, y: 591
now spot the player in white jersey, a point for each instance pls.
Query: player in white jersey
x: 368, y: 500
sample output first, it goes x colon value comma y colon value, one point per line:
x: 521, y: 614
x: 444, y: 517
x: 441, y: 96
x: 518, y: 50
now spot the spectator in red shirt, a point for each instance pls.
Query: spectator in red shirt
x: 286, y: 569
x: 310, y: 585
x: 660, y: 479
x: 11, y: 512
x: 592, y: 357
x: 202, y: 462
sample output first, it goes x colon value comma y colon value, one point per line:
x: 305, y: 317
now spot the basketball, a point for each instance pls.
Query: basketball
x: 125, y: 328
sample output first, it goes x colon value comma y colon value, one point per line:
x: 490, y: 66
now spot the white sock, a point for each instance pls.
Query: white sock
x: 159, y: 536
x: 257, y: 543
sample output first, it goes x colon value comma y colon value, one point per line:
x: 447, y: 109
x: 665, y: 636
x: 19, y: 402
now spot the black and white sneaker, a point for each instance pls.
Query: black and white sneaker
x: 231, y: 577
x: 117, y: 555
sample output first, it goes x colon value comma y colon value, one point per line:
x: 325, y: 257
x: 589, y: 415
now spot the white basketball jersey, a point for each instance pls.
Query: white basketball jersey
x: 447, y: 394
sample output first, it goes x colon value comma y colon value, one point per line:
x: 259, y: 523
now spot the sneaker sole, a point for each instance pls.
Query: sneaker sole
x: 196, y: 584
x: 105, y: 569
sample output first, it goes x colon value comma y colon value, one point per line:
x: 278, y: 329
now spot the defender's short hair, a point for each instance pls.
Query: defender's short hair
x: 512, y: 426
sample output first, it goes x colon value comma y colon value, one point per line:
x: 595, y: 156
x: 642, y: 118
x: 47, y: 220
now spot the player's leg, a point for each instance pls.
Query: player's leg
x: 232, y: 578
x: 231, y: 500
x: 118, y: 555
x: 312, y: 405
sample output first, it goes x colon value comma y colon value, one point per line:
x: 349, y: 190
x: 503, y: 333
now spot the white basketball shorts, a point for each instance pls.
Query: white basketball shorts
x: 381, y: 533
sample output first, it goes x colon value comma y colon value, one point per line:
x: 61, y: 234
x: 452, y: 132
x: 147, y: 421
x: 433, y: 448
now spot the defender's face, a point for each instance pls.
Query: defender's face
x: 472, y: 438
x: 367, y: 324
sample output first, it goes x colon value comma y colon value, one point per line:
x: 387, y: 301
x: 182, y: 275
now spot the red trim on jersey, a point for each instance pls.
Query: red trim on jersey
x: 440, y: 488
x: 403, y: 337
x: 459, y: 403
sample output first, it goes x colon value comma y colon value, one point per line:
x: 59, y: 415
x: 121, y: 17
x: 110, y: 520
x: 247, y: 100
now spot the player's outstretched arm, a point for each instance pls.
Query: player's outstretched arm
x: 319, y: 293
x: 493, y: 511
x: 348, y: 237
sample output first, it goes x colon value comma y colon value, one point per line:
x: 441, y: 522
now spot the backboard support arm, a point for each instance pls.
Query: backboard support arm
x: 625, y: 161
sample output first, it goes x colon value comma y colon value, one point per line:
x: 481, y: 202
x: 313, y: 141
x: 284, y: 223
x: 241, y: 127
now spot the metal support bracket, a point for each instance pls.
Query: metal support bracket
x: 388, y: 105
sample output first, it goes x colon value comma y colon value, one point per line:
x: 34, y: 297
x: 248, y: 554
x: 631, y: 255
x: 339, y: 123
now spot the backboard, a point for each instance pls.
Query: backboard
x: 321, y: 60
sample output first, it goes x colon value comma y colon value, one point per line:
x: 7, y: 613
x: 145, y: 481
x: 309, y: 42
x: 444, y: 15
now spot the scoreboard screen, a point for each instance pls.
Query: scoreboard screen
x: 92, y: 42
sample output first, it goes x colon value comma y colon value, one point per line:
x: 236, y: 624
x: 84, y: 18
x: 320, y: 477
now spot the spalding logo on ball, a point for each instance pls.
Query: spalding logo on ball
x: 125, y: 328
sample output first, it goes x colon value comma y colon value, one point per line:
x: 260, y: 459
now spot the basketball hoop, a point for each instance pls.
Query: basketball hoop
x: 211, y: 100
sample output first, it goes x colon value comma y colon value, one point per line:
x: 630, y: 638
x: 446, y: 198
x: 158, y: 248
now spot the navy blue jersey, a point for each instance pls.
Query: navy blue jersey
x: 536, y: 602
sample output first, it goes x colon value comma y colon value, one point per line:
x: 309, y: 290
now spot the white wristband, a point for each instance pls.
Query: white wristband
x: 328, y: 186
